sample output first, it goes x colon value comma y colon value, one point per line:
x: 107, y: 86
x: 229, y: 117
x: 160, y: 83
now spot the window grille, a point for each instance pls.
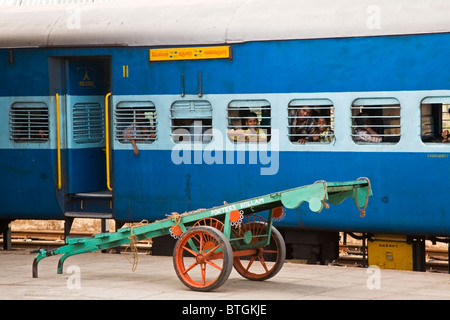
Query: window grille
x: 191, y: 121
x: 241, y: 113
x: 88, y: 123
x: 311, y: 120
x: 376, y: 120
x: 29, y: 122
x: 435, y: 119
x: 135, y: 121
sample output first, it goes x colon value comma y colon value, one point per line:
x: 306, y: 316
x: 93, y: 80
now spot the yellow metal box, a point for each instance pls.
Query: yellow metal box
x: 388, y: 254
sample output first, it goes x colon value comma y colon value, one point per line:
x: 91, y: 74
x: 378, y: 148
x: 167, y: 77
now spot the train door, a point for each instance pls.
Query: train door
x: 87, y: 81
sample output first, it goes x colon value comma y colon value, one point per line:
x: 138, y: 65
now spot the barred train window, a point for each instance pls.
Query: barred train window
x: 435, y: 115
x: 29, y: 122
x: 135, y: 120
x: 249, y: 121
x: 191, y: 121
x: 88, y: 123
x: 311, y: 120
x: 376, y: 120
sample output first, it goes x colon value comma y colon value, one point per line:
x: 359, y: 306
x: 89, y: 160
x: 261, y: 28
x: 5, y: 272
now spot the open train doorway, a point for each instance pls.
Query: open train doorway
x: 88, y: 82
x: 82, y: 84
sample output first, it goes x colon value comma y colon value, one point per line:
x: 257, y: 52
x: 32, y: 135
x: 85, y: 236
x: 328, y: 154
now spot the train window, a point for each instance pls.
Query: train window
x: 191, y: 121
x: 376, y: 120
x: 435, y: 115
x: 249, y: 121
x: 88, y: 123
x: 311, y: 120
x: 29, y: 122
x: 135, y: 120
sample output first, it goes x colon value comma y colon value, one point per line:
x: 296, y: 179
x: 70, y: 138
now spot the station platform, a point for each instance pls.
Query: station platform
x: 109, y: 276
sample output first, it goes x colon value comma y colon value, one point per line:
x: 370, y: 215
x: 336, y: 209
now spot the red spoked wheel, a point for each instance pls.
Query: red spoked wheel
x: 267, y: 260
x: 211, y: 222
x: 203, y: 258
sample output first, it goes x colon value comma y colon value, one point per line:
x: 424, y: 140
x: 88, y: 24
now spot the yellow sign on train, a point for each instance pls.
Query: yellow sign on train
x: 196, y: 53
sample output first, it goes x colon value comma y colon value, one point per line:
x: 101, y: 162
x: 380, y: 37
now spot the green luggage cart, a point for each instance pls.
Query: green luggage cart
x: 210, y: 242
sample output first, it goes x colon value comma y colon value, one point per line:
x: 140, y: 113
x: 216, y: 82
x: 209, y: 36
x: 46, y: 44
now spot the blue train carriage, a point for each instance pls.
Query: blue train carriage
x: 80, y: 82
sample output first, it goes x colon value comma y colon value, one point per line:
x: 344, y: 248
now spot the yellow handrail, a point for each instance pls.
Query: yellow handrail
x: 108, y: 178
x: 58, y: 141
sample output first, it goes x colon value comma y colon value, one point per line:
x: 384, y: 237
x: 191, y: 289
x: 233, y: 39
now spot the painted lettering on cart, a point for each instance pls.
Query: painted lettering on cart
x: 251, y: 203
x: 238, y: 206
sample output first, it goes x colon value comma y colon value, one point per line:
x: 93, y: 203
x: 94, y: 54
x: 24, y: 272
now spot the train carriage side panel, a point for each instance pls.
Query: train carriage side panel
x: 350, y: 68
x: 27, y: 163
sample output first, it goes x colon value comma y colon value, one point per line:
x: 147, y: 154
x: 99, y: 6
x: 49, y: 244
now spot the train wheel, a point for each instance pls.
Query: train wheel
x: 203, y: 258
x: 268, y: 260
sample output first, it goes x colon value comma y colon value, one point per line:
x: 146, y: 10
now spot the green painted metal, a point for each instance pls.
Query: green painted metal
x: 318, y: 195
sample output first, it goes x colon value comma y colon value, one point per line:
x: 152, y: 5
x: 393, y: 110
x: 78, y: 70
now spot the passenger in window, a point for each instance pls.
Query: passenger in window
x: 244, y: 112
x: 325, y: 132
x: 445, y: 136
x: 39, y: 131
x: 445, y: 133
x: 252, y: 134
x: 42, y: 134
x: 304, y: 127
x: 138, y: 131
x: 363, y: 131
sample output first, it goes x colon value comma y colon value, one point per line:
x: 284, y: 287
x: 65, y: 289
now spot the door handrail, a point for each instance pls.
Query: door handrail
x: 108, y: 178
x: 58, y: 141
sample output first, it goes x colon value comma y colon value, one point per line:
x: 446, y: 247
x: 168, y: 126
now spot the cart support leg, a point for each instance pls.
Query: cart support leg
x: 35, y: 268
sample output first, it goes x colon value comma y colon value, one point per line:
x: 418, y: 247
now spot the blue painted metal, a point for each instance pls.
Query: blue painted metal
x: 323, y: 65
x: 396, y: 205
x: 86, y: 170
x: 27, y: 188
